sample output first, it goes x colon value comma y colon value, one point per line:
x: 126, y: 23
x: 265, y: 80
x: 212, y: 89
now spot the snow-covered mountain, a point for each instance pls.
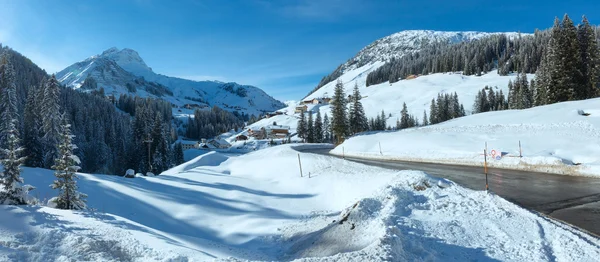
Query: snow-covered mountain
x: 125, y: 72
x: 397, y: 45
x: 416, y: 93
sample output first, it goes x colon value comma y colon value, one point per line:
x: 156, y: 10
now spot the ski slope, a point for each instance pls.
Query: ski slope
x: 554, y: 138
x: 257, y: 207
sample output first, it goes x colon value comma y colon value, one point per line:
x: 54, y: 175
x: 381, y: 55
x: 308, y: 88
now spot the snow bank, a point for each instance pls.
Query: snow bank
x: 554, y: 138
x: 258, y: 207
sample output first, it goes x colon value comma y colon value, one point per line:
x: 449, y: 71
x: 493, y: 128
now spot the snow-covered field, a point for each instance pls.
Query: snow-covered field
x: 554, y: 138
x: 257, y: 207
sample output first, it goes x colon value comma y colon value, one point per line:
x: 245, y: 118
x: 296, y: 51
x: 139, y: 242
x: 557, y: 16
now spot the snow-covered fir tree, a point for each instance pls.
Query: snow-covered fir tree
x: 301, y: 129
x: 357, y: 118
x: 339, y: 123
x: 310, y: 129
x: 12, y: 192
x: 51, y: 120
x: 65, y: 168
x: 318, y: 128
x: 326, y: 129
x: 178, y: 154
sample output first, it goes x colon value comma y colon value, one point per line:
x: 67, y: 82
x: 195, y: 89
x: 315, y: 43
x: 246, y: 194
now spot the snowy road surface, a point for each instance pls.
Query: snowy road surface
x: 573, y: 199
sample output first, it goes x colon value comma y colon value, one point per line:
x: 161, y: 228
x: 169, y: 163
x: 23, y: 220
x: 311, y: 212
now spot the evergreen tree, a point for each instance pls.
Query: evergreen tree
x: 310, y: 127
x: 570, y: 60
x: 491, y: 97
x: 358, y: 120
x: 8, y: 100
x: 339, y: 124
x: 301, y: 129
x: 13, y: 192
x: 159, y: 147
x: 543, y: 79
x: 32, y: 130
x: 178, y: 154
x: 383, y: 121
x: 326, y: 129
x: 318, y: 128
x: 51, y: 119
x: 65, y: 167
x: 512, y: 94
x: 425, y: 121
x: 525, y: 96
x: 404, y: 117
x: 589, y: 62
x: 433, y: 112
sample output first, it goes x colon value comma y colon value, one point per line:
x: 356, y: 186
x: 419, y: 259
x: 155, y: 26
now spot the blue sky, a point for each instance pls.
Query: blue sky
x: 284, y: 47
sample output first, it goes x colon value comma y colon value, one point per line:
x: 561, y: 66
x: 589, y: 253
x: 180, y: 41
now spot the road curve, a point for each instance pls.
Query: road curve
x: 573, y: 199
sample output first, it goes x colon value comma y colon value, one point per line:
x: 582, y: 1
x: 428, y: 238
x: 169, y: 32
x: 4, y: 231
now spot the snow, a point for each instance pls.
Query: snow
x: 115, y: 68
x: 257, y: 207
x: 554, y: 138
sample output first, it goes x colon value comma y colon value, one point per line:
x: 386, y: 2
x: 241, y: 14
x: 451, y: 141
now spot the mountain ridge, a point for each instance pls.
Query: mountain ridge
x: 399, y: 44
x: 123, y: 71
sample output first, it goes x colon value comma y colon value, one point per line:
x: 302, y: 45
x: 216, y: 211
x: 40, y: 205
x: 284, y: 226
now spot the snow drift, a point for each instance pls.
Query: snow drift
x: 258, y: 207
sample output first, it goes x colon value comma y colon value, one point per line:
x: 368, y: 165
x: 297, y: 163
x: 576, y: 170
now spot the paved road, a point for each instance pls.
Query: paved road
x: 573, y: 199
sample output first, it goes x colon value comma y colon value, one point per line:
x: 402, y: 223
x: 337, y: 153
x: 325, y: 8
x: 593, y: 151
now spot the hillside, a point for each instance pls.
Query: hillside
x: 416, y: 93
x: 219, y: 207
x: 125, y: 72
x: 557, y: 138
x: 398, y: 45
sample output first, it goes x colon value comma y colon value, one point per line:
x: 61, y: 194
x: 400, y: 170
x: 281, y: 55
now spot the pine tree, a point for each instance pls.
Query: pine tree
x: 326, y: 129
x: 65, y: 167
x: 358, y: 120
x: 570, y: 60
x: 383, y: 121
x: 339, y: 123
x: 404, y: 117
x: 425, y: 121
x: 159, y: 147
x: 301, y: 129
x: 433, y: 113
x: 8, y: 100
x: 51, y: 120
x: 492, y: 99
x: 310, y: 127
x: 478, y: 104
x: 178, y: 154
x: 590, y: 61
x: 512, y: 94
x: 318, y: 126
x: 540, y: 96
x: 13, y: 192
x: 32, y: 129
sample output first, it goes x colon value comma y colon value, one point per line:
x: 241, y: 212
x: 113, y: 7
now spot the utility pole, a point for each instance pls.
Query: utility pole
x: 149, y: 142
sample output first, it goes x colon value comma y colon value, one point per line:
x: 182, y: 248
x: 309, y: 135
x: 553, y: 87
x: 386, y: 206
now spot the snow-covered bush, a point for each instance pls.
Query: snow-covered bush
x: 130, y: 173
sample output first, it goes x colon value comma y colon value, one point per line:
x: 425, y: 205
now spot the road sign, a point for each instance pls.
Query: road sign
x: 496, y: 154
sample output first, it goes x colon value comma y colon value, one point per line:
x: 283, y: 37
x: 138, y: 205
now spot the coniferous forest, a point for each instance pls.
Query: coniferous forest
x: 108, y: 139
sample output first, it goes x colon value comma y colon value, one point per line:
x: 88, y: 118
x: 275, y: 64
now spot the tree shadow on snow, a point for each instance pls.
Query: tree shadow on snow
x: 180, y: 232
x: 231, y: 187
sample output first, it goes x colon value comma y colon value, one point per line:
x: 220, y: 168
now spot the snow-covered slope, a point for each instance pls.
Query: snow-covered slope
x: 257, y: 207
x: 416, y: 93
x: 557, y: 138
x: 407, y: 42
x: 125, y: 72
x: 397, y: 45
